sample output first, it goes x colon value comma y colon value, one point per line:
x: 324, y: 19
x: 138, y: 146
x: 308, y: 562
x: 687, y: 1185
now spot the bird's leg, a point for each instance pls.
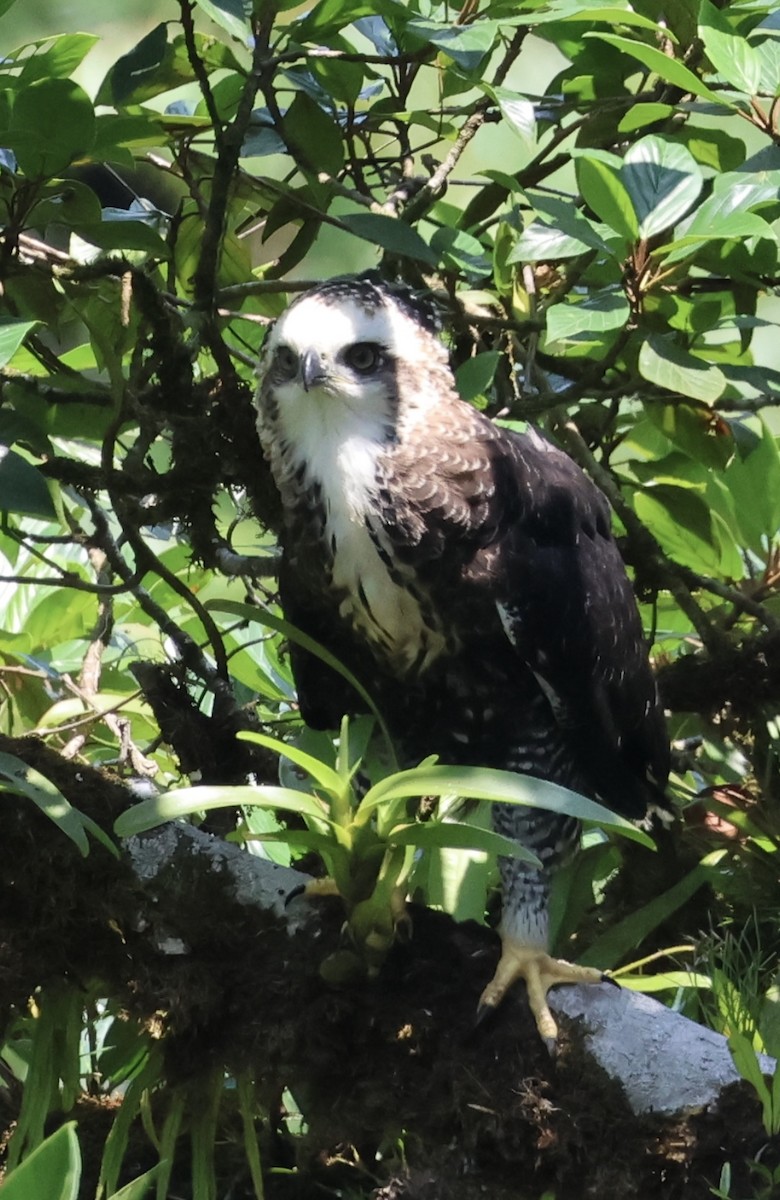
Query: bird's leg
x: 525, y: 916
x: 540, y: 972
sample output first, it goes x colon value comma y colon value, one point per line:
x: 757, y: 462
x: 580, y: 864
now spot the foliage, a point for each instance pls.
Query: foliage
x: 593, y: 195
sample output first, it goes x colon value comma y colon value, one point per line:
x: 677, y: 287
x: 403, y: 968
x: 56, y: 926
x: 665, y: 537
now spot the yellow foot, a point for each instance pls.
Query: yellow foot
x: 540, y: 972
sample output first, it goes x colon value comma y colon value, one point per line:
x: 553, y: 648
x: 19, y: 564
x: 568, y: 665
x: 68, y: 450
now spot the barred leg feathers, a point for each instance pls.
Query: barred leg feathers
x: 524, y: 921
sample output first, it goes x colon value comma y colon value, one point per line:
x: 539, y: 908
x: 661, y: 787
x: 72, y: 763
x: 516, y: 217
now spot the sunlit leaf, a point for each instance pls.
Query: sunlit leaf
x: 731, y: 55
x: 607, y: 195
x: 663, y: 180
x: 670, y: 367
x: 466, y: 45
x: 17, y: 777
x: 670, y: 69
x: 596, y: 314
x: 504, y: 787
x: 231, y: 15
x: 185, y: 802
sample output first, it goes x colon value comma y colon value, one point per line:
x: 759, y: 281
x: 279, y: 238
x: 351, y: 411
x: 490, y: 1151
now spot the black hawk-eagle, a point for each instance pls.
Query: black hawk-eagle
x: 467, y: 575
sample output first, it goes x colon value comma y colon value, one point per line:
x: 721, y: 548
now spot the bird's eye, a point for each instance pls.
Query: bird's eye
x: 363, y: 357
x: 286, y: 362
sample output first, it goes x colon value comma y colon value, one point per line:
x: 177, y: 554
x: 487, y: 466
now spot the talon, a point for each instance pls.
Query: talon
x: 540, y: 972
x: 606, y: 977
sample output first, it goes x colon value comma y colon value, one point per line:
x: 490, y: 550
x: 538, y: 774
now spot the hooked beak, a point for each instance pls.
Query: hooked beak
x: 312, y: 370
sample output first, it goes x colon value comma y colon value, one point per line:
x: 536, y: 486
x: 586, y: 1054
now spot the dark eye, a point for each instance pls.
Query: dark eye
x: 286, y: 362
x: 364, y: 357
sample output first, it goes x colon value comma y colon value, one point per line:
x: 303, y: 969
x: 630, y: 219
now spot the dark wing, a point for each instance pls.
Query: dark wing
x: 516, y: 520
x: 570, y: 612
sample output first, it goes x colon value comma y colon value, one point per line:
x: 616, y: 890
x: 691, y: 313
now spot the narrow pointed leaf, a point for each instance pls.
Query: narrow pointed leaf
x: 454, y: 835
x: 183, y: 802
x: 670, y: 69
x: 501, y: 787
x: 319, y: 771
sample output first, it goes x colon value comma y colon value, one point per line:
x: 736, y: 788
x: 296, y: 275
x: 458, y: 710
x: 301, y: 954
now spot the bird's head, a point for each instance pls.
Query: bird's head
x: 347, y: 359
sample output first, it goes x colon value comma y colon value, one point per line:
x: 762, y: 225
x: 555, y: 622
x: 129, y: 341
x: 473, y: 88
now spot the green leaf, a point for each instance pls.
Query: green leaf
x: 605, y: 193
x: 18, y: 778
x: 663, y: 181
x: 670, y: 69
x: 12, y: 333
x: 138, y: 1188
x: 325, y: 776
x: 597, y: 314
x: 391, y: 234
x: 185, y: 802
x: 54, y: 57
x: 545, y: 243
x: 730, y: 54
x: 22, y: 487
x: 52, y: 125
x: 670, y: 367
x: 51, y: 1172
x: 567, y: 218
x: 314, y: 135
x: 518, y: 112
x: 613, y: 945
x: 754, y: 482
x: 768, y: 53
x: 466, y: 45
x: 230, y: 15
x: 501, y: 787
x: 125, y: 235
x: 640, y: 115
x: 475, y: 375
x: 143, y: 72
x: 682, y: 522
x: 456, y: 835
x: 459, y: 251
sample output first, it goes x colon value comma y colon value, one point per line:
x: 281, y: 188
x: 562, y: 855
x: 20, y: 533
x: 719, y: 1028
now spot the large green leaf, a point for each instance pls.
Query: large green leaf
x: 604, y: 311
x: 314, y: 135
x: 52, y: 125
x: 184, y: 802
x: 663, y: 181
x: 22, y: 487
x: 13, y: 331
x: 670, y: 69
x: 466, y: 45
x: 55, y: 57
x: 19, y: 778
x: 231, y: 15
x: 390, y: 234
x: 51, y: 1172
x: 545, y: 243
x: 605, y: 192
x: 612, y: 946
x: 499, y: 787
x: 753, y: 478
x: 667, y: 365
x: 454, y: 835
x: 731, y: 55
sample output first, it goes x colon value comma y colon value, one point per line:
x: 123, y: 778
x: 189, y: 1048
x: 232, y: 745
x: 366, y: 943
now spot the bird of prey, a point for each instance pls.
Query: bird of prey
x: 465, y: 574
